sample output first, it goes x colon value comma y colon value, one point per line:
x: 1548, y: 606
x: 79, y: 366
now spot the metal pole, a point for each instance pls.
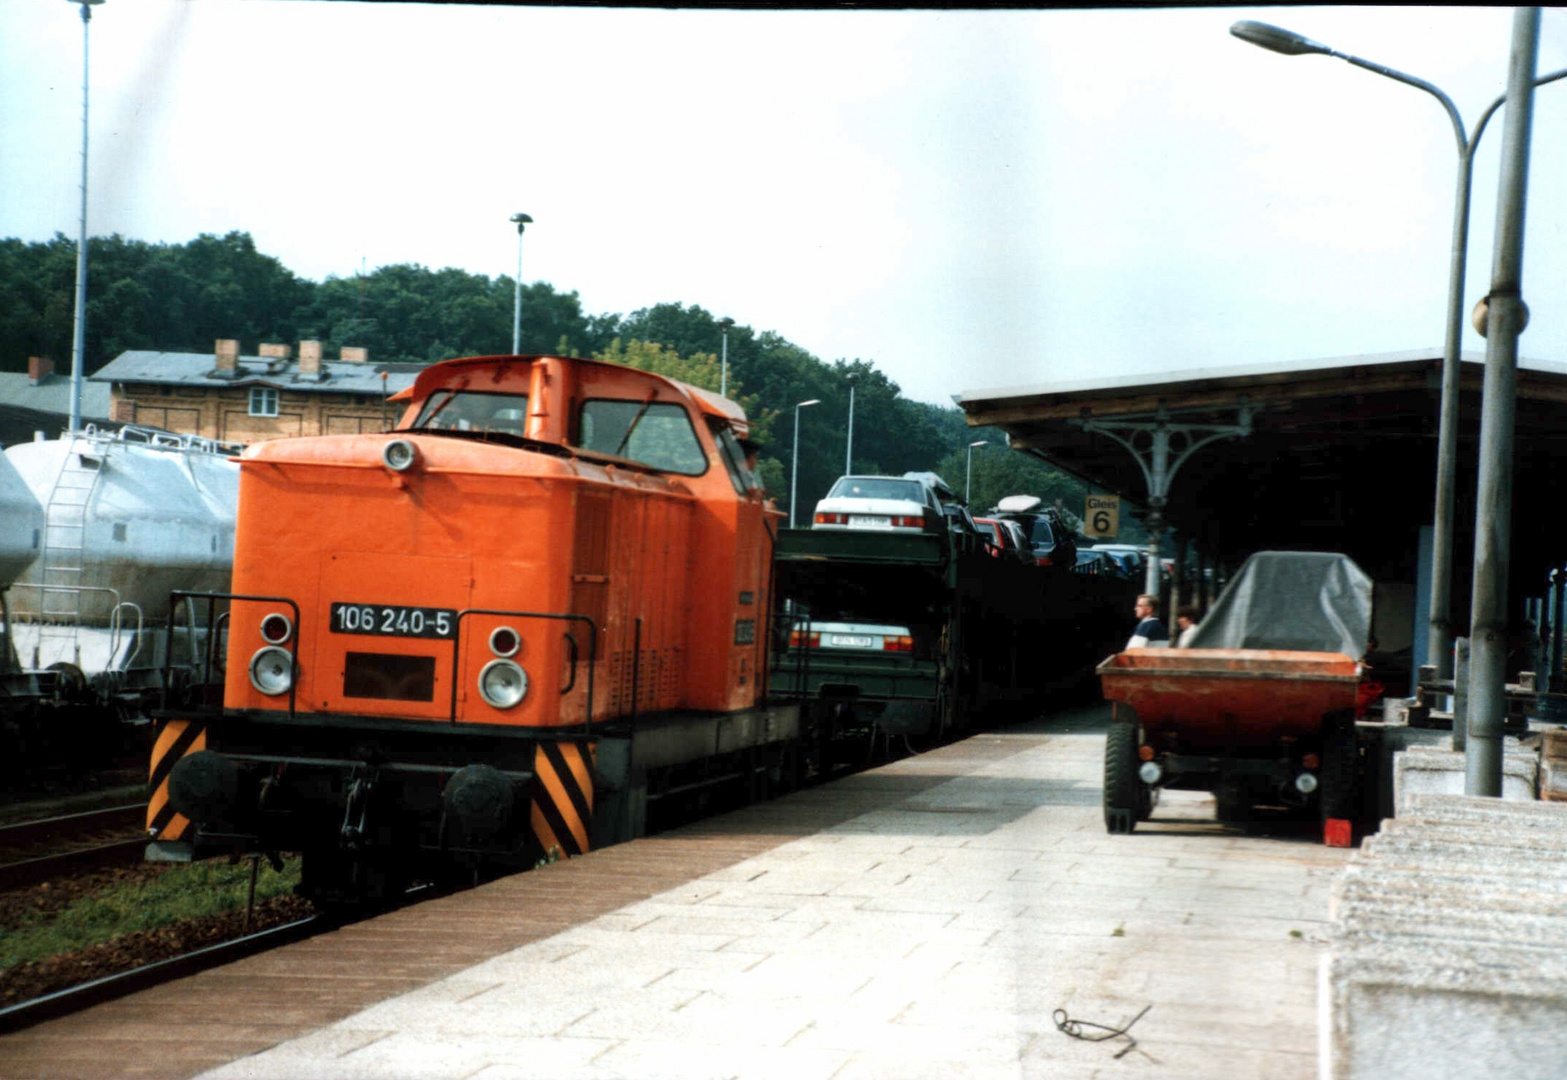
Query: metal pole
x: 794, y: 469
x: 848, y: 450
x: 723, y: 366
x: 1557, y: 629
x: 1506, y: 317
x: 521, y: 221
x: 79, y: 318
x: 516, y: 303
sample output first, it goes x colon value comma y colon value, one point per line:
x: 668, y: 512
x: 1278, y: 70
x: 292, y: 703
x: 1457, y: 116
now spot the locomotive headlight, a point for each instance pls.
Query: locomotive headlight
x: 400, y: 455
x: 276, y: 629
x: 504, y: 641
x: 503, y: 683
x: 272, y: 670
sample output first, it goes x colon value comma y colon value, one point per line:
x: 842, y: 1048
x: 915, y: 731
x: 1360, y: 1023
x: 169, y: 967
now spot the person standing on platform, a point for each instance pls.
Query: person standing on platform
x: 1185, y: 627
x: 1150, y: 632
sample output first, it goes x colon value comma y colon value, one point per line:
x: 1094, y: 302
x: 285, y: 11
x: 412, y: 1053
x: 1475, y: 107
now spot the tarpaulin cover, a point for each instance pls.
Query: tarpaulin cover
x: 1306, y: 601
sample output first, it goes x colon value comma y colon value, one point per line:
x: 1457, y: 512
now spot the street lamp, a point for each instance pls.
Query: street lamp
x: 968, y: 465
x: 79, y: 318
x: 522, y: 221
x: 848, y: 449
x: 794, y: 470
x: 1439, y: 640
x: 723, y: 365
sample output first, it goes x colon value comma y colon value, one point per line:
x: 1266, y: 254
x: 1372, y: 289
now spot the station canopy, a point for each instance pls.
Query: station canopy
x: 1340, y: 455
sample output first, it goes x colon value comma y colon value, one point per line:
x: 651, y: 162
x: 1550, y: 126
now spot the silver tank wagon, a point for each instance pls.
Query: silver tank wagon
x: 128, y: 517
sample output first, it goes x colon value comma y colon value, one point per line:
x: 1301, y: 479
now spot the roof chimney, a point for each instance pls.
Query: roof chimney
x: 355, y: 355
x: 227, y: 350
x: 273, y: 351
x: 310, y: 358
x: 39, y: 368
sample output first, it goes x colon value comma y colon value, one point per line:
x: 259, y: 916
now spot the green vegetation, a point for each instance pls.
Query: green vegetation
x: 182, y: 297
x: 183, y: 892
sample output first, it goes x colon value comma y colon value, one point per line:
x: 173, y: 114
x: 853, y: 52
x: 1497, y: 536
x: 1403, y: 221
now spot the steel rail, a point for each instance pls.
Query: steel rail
x: 34, y: 829
x: 25, y: 872
x: 75, y: 998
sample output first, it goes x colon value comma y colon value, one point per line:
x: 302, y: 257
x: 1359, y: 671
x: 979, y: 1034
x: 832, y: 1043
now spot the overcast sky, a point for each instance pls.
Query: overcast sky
x: 969, y: 199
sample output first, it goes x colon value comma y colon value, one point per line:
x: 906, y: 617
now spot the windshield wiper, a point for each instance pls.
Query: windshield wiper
x: 635, y: 420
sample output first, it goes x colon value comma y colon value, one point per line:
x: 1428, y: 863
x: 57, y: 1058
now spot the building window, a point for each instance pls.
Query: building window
x: 263, y: 401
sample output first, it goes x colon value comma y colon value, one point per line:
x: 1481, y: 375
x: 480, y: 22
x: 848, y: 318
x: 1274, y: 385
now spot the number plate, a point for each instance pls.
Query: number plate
x: 393, y: 620
x: 851, y: 641
x: 857, y: 521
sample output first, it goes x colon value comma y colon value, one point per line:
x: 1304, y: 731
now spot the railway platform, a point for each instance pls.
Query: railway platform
x: 940, y: 916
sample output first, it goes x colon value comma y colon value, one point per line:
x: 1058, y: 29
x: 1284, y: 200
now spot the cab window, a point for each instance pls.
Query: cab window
x: 656, y: 433
x: 733, y: 456
x: 469, y: 410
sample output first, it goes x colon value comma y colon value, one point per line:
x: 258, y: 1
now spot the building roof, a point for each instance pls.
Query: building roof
x: 52, y: 394
x: 200, y: 369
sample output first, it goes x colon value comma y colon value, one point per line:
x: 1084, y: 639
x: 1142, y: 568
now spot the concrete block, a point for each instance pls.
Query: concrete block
x: 1468, y: 1011
x: 1427, y: 770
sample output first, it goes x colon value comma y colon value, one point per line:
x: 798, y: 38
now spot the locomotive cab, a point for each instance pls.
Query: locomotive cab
x: 490, y: 635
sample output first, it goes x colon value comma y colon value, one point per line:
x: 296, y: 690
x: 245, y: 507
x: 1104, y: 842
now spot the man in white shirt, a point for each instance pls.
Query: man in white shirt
x: 1150, y: 632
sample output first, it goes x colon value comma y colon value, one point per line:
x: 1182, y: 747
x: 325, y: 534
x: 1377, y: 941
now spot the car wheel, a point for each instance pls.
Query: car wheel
x: 1122, y: 799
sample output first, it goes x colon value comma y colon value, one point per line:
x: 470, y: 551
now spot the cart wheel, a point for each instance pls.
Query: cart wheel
x: 1340, y: 766
x: 1122, y: 799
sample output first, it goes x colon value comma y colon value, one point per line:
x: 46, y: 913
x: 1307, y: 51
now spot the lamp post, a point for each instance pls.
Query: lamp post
x: 968, y: 465
x: 848, y: 449
x: 794, y: 469
x: 522, y: 221
x: 1439, y: 639
x: 79, y: 317
x: 723, y: 364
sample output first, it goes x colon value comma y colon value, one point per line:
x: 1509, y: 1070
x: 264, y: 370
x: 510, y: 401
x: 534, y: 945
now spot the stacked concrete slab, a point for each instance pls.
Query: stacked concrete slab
x: 1449, y: 945
x: 1437, y: 770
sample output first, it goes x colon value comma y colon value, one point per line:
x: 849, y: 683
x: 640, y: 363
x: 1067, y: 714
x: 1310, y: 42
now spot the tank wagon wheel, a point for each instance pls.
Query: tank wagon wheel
x: 1340, y: 767
x: 72, y: 682
x: 1123, y: 799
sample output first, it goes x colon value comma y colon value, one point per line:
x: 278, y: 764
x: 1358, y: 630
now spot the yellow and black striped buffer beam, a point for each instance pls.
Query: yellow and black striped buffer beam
x: 562, y: 796
x: 178, y: 738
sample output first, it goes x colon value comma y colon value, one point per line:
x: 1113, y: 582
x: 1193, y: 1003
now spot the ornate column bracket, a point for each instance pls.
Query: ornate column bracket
x: 1152, y: 439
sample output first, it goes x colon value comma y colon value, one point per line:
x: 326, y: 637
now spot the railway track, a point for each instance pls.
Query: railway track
x: 82, y: 841
x: 109, y: 987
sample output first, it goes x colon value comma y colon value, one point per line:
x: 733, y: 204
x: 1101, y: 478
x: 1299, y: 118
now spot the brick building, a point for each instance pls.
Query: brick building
x: 223, y: 395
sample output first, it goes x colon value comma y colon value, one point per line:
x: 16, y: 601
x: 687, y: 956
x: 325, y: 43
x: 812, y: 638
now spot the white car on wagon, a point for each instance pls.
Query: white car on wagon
x: 879, y: 504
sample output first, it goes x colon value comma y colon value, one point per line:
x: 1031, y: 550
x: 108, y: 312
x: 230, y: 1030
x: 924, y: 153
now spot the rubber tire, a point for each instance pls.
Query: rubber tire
x: 1122, y: 798
x: 1337, y: 791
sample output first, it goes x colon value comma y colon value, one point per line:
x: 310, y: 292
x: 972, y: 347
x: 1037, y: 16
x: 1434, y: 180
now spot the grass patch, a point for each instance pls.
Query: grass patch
x: 184, y: 891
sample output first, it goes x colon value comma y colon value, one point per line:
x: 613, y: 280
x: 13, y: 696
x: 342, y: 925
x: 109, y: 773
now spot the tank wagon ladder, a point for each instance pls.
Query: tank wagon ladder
x: 65, y: 540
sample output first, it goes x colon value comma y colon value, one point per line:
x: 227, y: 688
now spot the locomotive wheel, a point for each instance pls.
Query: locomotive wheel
x: 1340, y: 766
x: 1122, y: 797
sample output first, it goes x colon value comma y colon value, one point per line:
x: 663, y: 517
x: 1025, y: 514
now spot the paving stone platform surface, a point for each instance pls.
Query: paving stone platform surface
x: 933, y: 937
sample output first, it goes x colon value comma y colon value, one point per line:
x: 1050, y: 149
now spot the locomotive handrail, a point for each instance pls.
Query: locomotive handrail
x: 593, y: 651
x: 212, y: 597
x: 115, y: 631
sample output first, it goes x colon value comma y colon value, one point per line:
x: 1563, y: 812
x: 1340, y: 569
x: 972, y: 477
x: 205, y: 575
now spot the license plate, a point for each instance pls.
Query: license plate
x: 857, y: 521
x: 850, y: 641
x: 393, y: 620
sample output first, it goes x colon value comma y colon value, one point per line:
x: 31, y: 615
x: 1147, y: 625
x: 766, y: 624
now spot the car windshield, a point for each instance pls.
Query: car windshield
x: 991, y: 531
x: 1039, y: 532
x: 875, y: 487
x: 466, y: 410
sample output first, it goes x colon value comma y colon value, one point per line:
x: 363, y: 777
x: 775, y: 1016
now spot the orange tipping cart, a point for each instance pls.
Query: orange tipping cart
x: 1260, y: 711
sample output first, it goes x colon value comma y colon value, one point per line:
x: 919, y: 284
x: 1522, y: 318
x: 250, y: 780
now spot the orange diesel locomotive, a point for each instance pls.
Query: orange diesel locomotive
x: 486, y: 637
